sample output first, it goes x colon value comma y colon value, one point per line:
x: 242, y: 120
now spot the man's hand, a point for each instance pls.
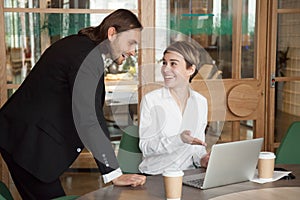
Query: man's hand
x: 129, y: 179
x: 187, y: 138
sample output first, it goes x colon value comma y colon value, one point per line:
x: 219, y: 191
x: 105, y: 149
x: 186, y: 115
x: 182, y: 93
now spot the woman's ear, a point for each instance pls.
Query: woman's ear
x: 192, y: 69
x: 111, y: 33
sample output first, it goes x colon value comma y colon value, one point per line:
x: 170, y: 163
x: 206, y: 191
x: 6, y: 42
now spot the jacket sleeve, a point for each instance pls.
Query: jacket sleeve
x: 87, y: 101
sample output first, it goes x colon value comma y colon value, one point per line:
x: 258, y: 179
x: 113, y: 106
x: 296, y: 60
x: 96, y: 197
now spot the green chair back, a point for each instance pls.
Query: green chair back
x: 4, y: 192
x: 289, y: 148
x: 2, y: 198
x: 6, y: 195
x: 129, y: 153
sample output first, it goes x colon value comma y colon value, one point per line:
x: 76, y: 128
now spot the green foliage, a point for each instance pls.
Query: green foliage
x: 129, y: 63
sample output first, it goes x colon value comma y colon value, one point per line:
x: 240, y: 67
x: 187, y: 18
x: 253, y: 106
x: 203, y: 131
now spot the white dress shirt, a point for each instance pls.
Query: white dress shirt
x: 161, y: 123
x: 112, y: 175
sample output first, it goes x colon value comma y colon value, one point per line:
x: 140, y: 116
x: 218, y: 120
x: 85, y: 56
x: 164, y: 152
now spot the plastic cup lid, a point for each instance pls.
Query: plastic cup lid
x: 266, y: 155
x: 173, y: 173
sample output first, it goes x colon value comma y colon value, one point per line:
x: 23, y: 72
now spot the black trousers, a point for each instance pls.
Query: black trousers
x: 29, y: 187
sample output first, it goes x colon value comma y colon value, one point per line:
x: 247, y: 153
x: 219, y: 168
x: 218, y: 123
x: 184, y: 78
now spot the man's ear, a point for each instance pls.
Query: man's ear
x: 111, y: 33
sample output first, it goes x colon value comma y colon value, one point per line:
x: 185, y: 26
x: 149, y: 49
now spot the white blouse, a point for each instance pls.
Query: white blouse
x: 161, y: 123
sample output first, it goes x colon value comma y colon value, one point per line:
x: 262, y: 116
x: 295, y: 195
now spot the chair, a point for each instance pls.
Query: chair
x: 6, y: 195
x: 129, y: 154
x: 289, y: 148
x: 209, y: 71
x: 4, y: 192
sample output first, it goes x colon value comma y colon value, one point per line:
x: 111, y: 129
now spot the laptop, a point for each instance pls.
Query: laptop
x: 229, y: 163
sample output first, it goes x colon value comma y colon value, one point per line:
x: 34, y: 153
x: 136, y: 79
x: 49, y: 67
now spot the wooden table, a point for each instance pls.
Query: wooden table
x: 153, y: 190
x: 290, y: 193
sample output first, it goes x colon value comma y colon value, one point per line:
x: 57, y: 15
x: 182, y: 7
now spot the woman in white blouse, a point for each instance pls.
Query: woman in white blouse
x: 173, y: 118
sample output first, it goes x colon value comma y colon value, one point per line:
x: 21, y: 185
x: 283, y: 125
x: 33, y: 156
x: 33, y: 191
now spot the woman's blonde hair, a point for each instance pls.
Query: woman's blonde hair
x: 192, y: 53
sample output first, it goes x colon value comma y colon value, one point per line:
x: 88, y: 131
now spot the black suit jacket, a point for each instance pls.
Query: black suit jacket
x: 36, y: 124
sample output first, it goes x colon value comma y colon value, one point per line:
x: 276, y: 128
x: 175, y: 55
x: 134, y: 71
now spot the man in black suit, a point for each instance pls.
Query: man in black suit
x: 58, y: 109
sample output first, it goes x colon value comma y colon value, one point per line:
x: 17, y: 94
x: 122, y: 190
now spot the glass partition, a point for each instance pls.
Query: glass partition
x: 248, y: 32
x: 210, y: 24
x: 81, y: 4
x: 287, y: 100
x: 283, y: 4
x: 27, y: 35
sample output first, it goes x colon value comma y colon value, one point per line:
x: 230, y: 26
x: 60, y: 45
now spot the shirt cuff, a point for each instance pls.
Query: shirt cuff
x: 196, y: 161
x: 112, y: 175
x: 176, y: 140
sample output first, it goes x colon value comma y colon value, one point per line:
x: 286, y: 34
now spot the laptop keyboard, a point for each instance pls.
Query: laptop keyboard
x: 195, y: 183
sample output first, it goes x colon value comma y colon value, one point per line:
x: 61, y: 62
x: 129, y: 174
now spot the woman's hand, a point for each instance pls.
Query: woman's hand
x: 204, y: 160
x: 188, y: 139
x: 129, y: 179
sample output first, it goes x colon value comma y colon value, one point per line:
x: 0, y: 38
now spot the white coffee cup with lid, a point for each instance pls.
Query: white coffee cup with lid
x: 173, y: 184
x: 266, y: 162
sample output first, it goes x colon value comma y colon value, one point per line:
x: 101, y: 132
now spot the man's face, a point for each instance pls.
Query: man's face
x: 124, y: 44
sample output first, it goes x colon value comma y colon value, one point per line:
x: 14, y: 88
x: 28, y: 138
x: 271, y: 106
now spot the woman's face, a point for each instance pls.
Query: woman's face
x: 174, y: 70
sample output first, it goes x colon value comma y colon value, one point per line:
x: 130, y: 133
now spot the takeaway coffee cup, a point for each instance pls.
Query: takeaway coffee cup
x: 266, y: 162
x: 173, y: 184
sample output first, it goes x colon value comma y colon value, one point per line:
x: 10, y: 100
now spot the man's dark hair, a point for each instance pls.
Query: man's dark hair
x: 121, y: 20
